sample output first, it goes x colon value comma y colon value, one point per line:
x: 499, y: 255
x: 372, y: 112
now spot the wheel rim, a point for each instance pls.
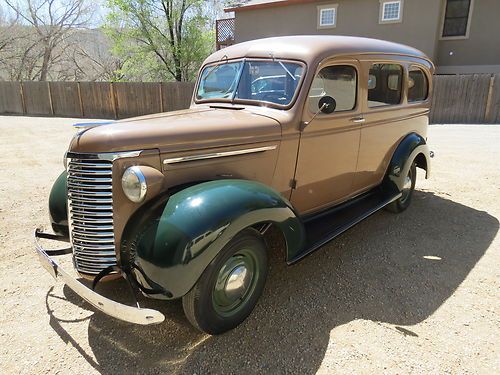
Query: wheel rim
x: 406, y: 191
x: 235, y: 283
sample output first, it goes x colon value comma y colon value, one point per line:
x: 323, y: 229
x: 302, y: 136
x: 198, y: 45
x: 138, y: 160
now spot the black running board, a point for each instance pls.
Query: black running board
x: 329, y: 224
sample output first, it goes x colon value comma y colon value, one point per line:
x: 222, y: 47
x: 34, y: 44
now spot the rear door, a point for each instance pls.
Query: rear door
x: 329, y: 145
x: 387, y: 119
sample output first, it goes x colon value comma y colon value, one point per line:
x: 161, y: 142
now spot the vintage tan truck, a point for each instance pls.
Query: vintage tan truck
x: 308, y: 134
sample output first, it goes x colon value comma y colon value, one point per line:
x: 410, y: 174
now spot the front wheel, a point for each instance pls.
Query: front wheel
x: 230, y: 286
x: 403, y: 202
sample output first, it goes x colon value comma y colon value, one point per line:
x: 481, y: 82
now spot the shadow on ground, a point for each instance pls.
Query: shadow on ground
x: 396, y: 269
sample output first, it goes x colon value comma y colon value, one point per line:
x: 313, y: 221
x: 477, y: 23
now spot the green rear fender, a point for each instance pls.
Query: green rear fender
x: 412, y: 148
x: 174, y: 239
x: 58, y: 208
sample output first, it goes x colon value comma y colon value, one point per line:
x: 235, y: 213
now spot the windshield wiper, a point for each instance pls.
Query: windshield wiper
x: 217, y: 64
x: 283, y: 66
x: 286, y: 70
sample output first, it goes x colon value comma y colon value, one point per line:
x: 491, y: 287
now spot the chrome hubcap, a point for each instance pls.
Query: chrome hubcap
x: 237, y: 283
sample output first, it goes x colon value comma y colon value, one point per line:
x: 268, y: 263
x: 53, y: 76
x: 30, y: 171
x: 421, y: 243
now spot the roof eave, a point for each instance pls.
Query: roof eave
x: 273, y: 4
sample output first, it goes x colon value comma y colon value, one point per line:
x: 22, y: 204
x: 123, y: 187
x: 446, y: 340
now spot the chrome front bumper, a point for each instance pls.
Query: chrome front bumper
x: 117, y: 310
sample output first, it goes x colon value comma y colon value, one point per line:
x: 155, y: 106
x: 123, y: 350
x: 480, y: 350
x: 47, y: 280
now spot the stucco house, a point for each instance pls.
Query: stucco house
x: 461, y: 36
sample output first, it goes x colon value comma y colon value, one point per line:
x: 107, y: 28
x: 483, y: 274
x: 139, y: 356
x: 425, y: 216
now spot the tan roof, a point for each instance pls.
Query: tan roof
x: 257, y: 4
x: 312, y: 48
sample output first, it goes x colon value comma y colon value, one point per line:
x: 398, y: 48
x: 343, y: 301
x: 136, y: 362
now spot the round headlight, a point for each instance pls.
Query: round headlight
x: 134, y: 184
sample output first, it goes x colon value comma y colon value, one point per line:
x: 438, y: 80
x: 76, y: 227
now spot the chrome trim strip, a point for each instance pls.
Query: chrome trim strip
x: 86, y: 226
x: 91, y: 200
x: 95, y: 247
x: 83, y: 206
x: 88, y: 165
x: 89, y: 179
x: 81, y: 239
x: 85, y: 172
x: 84, y: 125
x: 214, y: 155
x: 109, y: 156
x: 88, y: 233
x: 91, y: 220
x: 83, y: 214
x: 97, y: 195
x: 87, y: 186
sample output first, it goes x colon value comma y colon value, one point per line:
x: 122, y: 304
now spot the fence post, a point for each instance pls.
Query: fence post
x: 161, y: 96
x: 23, y: 102
x: 113, y: 100
x: 79, y: 90
x: 489, y: 98
x: 50, y: 99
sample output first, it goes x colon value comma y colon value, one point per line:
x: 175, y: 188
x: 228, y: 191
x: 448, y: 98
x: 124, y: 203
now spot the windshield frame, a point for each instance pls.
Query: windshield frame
x: 259, y: 103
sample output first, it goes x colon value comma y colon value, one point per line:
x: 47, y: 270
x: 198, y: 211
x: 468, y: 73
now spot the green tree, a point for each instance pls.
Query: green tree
x: 160, y: 39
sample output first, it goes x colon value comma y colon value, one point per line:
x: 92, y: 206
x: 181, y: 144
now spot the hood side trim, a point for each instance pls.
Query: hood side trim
x: 219, y: 154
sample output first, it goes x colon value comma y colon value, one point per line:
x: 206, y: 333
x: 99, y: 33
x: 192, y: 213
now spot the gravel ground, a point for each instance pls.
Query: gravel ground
x: 410, y: 293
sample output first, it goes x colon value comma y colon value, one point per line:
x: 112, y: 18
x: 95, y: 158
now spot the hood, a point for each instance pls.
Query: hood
x: 181, y: 130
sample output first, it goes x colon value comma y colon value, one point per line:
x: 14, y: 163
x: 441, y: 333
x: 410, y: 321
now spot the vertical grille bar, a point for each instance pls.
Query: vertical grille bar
x: 90, y: 207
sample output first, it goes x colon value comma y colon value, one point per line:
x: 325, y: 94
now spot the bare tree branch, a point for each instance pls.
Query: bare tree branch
x: 52, y: 22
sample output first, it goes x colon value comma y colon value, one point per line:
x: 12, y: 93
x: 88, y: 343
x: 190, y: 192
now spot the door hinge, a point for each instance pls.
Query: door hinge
x: 293, y: 183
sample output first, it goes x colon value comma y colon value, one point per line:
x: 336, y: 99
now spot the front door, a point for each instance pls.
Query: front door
x: 329, y: 145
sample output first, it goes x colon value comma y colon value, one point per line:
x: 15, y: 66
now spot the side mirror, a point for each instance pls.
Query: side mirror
x: 327, y: 104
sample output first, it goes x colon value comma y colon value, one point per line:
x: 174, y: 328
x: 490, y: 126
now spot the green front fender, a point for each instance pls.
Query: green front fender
x: 58, y: 207
x: 174, y: 239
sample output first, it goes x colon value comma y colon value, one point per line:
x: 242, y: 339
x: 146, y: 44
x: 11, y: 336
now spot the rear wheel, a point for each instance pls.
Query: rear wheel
x: 403, y: 202
x: 229, y: 288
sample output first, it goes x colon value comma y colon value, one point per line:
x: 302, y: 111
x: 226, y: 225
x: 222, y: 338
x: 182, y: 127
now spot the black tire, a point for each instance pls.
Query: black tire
x: 202, y: 304
x: 402, y: 203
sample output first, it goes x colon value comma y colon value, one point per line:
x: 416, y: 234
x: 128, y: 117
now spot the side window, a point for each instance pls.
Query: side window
x: 337, y: 81
x: 385, y: 83
x: 418, y: 86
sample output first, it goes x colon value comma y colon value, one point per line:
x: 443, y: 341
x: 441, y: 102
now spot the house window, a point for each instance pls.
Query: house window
x: 385, y: 83
x: 390, y: 11
x: 327, y: 16
x: 456, y: 18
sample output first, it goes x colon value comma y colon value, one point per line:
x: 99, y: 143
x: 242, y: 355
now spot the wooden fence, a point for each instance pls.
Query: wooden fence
x: 458, y: 99
x: 93, y: 99
x: 466, y: 99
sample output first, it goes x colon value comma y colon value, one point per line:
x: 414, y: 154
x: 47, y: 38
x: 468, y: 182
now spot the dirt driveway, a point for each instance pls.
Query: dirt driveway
x: 415, y: 293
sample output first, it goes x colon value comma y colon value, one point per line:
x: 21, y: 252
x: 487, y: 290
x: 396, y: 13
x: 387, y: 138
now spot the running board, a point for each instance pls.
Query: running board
x: 327, y: 225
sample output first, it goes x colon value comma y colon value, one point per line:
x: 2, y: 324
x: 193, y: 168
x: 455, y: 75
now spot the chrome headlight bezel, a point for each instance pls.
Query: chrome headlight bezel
x: 134, y: 190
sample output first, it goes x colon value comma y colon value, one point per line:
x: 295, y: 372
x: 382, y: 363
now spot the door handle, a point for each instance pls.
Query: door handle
x: 358, y: 120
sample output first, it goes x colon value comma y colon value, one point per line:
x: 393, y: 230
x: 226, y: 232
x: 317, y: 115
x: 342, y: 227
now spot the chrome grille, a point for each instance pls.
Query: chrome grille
x: 90, y: 204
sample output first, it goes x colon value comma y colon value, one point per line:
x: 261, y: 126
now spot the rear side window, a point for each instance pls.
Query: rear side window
x: 337, y: 81
x: 418, y: 85
x: 385, y: 83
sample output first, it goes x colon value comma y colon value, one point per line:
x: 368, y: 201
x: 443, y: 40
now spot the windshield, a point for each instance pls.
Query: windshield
x: 270, y: 81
